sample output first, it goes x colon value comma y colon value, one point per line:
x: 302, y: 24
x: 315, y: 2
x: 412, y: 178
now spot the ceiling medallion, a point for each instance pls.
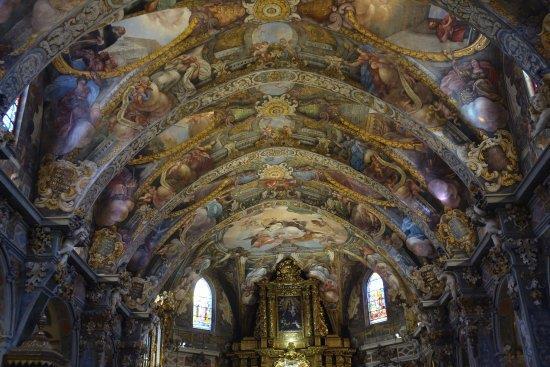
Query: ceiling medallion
x: 271, y: 10
x: 276, y: 106
x: 278, y: 172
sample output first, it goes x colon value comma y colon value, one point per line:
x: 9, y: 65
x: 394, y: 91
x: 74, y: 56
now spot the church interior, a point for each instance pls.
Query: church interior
x: 274, y: 183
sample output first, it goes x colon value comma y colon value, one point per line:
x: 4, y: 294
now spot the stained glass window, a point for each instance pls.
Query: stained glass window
x: 376, y: 300
x: 202, y: 305
x: 9, y: 118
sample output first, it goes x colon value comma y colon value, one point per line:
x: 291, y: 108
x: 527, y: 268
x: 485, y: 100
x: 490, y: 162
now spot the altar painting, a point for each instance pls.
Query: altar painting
x: 289, y: 311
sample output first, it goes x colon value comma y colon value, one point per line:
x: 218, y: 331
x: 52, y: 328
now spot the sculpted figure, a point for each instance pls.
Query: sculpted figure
x: 147, y: 102
x: 183, y: 73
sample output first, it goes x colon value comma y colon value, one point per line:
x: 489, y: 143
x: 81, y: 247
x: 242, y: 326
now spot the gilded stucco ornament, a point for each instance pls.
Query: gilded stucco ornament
x: 276, y: 172
x: 495, y: 160
x: 64, y: 276
x: 275, y: 106
x: 139, y: 292
x: 60, y: 182
x: 107, y: 248
x: 496, y: 263
x: 292, y: 358
x: 40, y: 240
x: 426, y: 279
x: 288, y: 272
x: 271, y: 10
x: 457, y: 233
x: 370, y: 37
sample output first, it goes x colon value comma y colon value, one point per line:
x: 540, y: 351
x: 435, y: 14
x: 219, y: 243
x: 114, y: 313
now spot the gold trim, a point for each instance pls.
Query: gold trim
x: 214, y: 194
x: 183, y: 147
x: 478, y: 45
x: 387, y: 142
x: 359, y: 197
x: 346, y: 126
x: 162, y: 59
x: 464, y: 245
x: 477, y: 161
x: 61, y: 65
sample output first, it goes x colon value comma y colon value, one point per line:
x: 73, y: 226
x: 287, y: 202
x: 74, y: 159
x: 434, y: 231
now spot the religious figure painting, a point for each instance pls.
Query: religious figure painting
x: 289, y: 311
x: 127, y: 41
x: 428, y: 26
x: 282, y: 227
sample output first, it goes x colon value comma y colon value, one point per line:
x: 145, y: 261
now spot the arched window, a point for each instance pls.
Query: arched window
x: 376, y: 300
x: 202, y: 305
x: 10, y: 117
x: 529, y: 84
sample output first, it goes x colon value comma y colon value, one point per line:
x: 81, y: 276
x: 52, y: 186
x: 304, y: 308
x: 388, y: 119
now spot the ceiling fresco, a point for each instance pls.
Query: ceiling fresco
x: 226, y: 135
x: 282, y: 228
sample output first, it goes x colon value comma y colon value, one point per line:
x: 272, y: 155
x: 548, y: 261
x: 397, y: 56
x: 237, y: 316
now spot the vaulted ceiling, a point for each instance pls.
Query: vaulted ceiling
x: 195, y: 133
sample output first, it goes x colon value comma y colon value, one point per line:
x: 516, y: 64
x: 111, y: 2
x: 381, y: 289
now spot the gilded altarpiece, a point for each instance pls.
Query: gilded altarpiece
x: 290, y: 328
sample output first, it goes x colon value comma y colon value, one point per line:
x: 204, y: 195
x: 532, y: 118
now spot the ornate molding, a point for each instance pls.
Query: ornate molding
x: 125, y: 151
x: 270, y: 10
x: 457, y: 233
x: 36, y: 273
x: 427, y: 281
x: 40, y: 240
x: 106, y: 249
x: 483, y: 161
x: 444, y: 56
x: 496, y: 262
x: 140, y: 292
x: 36, y: 56
x: 61, y: 182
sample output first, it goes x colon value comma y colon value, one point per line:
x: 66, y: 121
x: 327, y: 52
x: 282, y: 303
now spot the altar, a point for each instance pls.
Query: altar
x: 291, y: 328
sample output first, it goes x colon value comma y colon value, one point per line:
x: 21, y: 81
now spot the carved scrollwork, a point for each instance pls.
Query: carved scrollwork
x: 495, y: 160
x: 60, y: 182
x: 496, y: 262
x: 64, y: 276
x: 271, y: 10
x: 457, y: 233
x: 428, y: 282
x: 36, y: 274
x: 139, y: 292
x: 288, y: 271
x: 292, y: 358
x: 107, y: 247
x: 40, y: 240
x: 525, y: 250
